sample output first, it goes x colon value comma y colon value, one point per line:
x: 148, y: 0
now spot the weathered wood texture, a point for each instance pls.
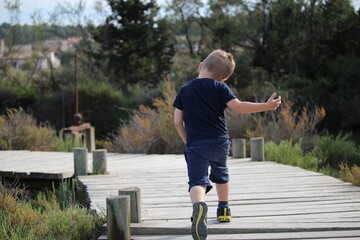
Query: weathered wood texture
x: 238, y: 148
x: 36, y: 165
x: 118, y: 217
x: 257, y: 152
x: 80, y: 161
x: 135, y: 202
x: 99, y: 161
x: 268, y: 200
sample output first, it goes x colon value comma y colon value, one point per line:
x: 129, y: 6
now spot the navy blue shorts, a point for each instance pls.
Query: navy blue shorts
x: 202, y: 154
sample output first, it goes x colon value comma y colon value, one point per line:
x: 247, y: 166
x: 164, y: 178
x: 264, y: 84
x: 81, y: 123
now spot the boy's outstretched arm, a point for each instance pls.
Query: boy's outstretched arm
x: 179, y: 124
x: 250, y: 107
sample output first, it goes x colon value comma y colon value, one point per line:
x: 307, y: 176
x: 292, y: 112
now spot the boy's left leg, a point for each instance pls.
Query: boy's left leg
x: 197, y: 194
x: 198, y: 227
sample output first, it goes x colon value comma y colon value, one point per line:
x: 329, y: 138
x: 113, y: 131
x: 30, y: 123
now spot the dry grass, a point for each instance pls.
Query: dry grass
x: 285, y: 123
x: 19, y: 131
x: 350, y: 174
x: 150, y: 130
x: 43, y: 218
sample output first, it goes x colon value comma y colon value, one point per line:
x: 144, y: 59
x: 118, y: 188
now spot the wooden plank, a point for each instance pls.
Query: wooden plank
x: 349, y: 235
x: 265, y: 196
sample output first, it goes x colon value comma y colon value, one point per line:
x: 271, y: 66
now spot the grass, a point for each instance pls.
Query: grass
x: 51, y: 215
x: 291, y: 154
x: 336, y: 156
x: 19, y: 131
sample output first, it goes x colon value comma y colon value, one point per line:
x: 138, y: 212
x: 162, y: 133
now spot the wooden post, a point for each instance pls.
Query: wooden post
x: 257, y: 149
x: 135, y: 202
x: 118, y: 217
x: 238, y: 148
x: 90, y: 139
x: 99, y: 161
x: 80, y: 161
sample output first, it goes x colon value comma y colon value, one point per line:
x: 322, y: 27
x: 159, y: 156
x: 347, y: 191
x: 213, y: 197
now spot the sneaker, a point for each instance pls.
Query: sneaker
x: 198, y: 227
x: 224, y: 214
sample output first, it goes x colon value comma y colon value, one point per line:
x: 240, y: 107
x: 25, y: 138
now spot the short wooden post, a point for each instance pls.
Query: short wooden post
x: 118, y: 217
x: 80, y: 161
x: 257, y: 149
x: 99, y: 161
x: 90, y: 138
x: 238, y: 148
x: 135, y: 202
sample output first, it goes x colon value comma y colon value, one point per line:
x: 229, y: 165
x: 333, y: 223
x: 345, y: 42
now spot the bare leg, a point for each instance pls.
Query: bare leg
x: 197, y: 194
x: 223, y: 191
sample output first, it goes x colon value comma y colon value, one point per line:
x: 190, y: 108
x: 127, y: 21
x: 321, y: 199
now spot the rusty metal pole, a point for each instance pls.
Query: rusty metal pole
x: 76, y: 87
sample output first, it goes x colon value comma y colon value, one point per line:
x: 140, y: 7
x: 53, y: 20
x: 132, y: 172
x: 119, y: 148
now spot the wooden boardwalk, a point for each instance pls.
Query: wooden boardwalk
x: 36, y: 165
x: 268, y: 200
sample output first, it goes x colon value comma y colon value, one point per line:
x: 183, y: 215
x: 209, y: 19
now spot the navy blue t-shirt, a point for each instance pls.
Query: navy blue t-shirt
x: 203, y: 101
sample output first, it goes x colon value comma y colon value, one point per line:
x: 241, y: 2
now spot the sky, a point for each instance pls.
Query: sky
x: 46, y: 7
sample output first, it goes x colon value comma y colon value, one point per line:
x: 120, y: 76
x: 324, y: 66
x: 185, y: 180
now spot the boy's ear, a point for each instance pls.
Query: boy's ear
x: 200, y: 66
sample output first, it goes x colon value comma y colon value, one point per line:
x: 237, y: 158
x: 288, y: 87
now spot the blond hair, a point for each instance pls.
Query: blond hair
x: 220, y: 64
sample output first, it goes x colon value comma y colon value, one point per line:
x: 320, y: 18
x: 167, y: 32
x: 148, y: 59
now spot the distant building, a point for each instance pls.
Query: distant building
x: 19, y: 54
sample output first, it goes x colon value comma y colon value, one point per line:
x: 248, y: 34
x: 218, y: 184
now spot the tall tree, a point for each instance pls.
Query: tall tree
x: 134, y: 46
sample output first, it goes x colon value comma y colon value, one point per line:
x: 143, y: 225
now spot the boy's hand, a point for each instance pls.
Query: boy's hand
x: 273, y: 103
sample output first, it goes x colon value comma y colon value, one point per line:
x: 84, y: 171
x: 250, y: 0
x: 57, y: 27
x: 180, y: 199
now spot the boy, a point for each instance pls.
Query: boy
x: 200, y: 121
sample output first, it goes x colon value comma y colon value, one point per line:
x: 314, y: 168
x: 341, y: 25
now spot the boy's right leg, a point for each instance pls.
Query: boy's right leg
x: 223, y: 210
x: 222, y: 190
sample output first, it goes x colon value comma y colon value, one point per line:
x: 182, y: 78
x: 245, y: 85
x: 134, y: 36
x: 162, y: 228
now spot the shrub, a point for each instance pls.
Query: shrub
x: 290, y: 154
x: 350, y: 174
x: 18, y: 131
x: 334, y: 151
x: 43, y: 218
x: 287, y: 124
x: 150, y: 130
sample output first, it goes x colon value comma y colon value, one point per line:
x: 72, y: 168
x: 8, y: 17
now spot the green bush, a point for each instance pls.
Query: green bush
x: 291, y: 154
x: 19, y: 131
x: 334, y: 151
x: 43, y: 218
x: 103, y: 106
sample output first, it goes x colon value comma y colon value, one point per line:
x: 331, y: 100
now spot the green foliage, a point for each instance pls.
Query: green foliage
x: 43, y: 218
x: 65, y: 142
x: 134, y: 45
x: 334, y: 151
x: 104, y: 107
x: 291, y: 154
x: 19, y: 131
x: 28, y: 34
x: 335, y: 156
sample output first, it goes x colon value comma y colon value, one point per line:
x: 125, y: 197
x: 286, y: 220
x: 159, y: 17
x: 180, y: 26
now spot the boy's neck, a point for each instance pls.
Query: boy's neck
x: 205, y: 74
